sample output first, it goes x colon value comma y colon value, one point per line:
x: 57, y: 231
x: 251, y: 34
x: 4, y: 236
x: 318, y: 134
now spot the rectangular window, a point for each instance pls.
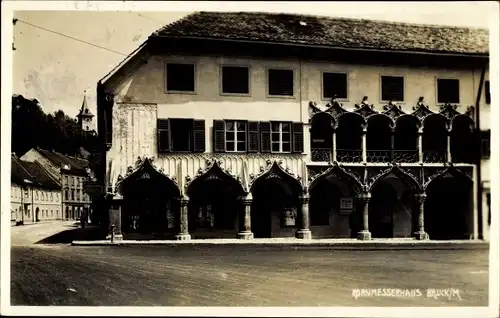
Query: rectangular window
x: 235, y: 80
x: 485, y: 144
x: 66, y: 180
x: 392, y: 88
x: 487, y: 95
x: 235, y: 132
x: 281, y: 137
x: 180, y: 77
x: 448, y: 91
x: 181, y: 135
x: 280, y: 82
x: 26, y: 194
x: 36, y: 195
x: 334, y: 84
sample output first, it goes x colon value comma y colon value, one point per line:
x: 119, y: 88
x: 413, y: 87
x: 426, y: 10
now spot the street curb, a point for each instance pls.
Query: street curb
x: 429, y: 245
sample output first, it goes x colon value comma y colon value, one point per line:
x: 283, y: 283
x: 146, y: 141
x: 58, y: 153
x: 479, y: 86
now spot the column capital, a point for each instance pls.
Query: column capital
x: 247, y: 197
x: 304, y: 199
x: 365, y: 196
x: 421, y: 197
x: 184, y: 201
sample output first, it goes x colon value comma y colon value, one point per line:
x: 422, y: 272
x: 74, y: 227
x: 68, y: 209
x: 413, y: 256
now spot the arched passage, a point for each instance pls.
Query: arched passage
x: 348, y: 137
x: 37, y: 214
x: 406, y: 139
x: 435, y: 138
x: 214, y: 204
x: 378, y: 138
x: 392, y: 204
x: 462, y: 139
x: 448, y: 208
x: 149, y: 201
x: 333, y: 205
x: 275, y: 201
x: 321, y: 137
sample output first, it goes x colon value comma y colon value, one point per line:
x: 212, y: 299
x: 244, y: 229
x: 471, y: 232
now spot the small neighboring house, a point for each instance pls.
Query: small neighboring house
x: 35, y: 194
x: 70, y: 172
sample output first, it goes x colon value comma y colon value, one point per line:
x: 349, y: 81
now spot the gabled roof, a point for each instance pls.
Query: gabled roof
x: 76, y: 165
x: 18, y: 174
x: 331, y: 32
x: 38, y: 172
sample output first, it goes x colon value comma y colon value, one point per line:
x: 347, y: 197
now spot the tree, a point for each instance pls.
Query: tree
x: 31, y: 127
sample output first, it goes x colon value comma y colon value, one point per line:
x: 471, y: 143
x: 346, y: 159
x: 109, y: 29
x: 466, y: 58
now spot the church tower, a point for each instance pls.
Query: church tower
x: 86, y: 118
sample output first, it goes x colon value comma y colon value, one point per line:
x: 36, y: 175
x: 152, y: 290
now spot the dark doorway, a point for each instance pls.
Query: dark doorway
x: 381, y: 214
x: 448, y: 209
x: 37, y: 211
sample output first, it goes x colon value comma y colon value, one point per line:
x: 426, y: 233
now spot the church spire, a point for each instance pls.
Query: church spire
x: 84, y: 110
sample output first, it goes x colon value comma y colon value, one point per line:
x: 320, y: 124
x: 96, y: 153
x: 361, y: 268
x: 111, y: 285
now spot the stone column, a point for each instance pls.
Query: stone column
x: 182, y: 221
x: 303, y: 231
x: 365, y: 234
x: 420, y: 234
x: 115, y: 218
x: 420, y: 133
x: 245, y: 220
x: 392, y: 144
x: 448, y: 147
x: 334, y: 146
x: 363, y: 145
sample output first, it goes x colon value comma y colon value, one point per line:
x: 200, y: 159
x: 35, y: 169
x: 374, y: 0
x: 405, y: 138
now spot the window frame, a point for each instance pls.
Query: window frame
x: 268, y: 82
x: 236, y: 131
x: 195, y: 77
x: 342, y: 99
x: 280, y: 132
x: 437, y: 90
x: 381, y: 77
x: 221, y: 79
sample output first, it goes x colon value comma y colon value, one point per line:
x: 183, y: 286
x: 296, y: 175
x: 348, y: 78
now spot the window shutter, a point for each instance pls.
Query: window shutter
x: 297, y: 137
x: 265, y: 136
x: 198, y: 135
x: 219, y: 136
x: 164, y: 143
x: 253, y: 136
x: 487, y: 96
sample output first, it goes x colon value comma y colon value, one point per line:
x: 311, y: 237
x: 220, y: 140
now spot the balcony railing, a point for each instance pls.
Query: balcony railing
x: 344, y: 155
x: 321, y: 154
x: 378, y: 156
x: 434, y: 156
x: 405, y: 156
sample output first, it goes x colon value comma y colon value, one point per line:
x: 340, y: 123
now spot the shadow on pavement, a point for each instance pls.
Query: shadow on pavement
x: 89, y: 233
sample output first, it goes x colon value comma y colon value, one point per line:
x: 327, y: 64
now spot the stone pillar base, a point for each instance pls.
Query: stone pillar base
x: 183, y: 237
x: 118, y: 237
x: 245, y: 235
x: 421, y: 235
x: 303, y: 234
x: 364, y: 235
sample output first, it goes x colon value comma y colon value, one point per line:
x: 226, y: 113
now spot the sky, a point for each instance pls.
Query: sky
x: 56, y: 70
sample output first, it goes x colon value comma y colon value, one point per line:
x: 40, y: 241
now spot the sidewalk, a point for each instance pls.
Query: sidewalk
x: 293, y: 242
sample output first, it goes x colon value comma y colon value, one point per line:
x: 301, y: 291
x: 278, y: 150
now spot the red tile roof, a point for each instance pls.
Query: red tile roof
x: 331, y: 32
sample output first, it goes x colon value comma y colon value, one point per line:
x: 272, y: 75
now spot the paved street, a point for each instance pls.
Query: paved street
x: 235, y: 275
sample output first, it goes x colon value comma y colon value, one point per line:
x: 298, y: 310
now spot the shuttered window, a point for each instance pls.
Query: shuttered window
x: 334, y: 84
x: 236, y: 135
x: 487, y: 95
x: 235, y: 80
x: 281, y: 137
x: 448, y: 91
x: 180, y: 77
x: 181, y: 135
x: 253, y: 136
x: 280, y: 82
x: 392, y: 88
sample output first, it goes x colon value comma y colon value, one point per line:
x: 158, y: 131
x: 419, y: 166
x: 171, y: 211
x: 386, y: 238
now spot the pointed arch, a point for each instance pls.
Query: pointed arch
x: 216, y: 173
x: 276, y: 173
x: 408, y: 118
x: 322, y: 116
x: 435, y: 137
x: 376, y: 116
x: 435, y: 117
x: 464, y: 119
x: 352, y: 116
x: 145, y: 170
x: 451, y: 171
x: 404, y: 176
x: 337, y: 172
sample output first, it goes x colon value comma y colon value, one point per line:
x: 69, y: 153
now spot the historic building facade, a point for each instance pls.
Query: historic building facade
x: 35, y: 195
x: 252, y: 133
x: 71, y: 173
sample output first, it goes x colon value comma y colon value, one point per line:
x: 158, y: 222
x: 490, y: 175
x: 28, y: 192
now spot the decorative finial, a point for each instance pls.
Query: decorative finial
x: 365, y: 98
x: 421, y: 99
